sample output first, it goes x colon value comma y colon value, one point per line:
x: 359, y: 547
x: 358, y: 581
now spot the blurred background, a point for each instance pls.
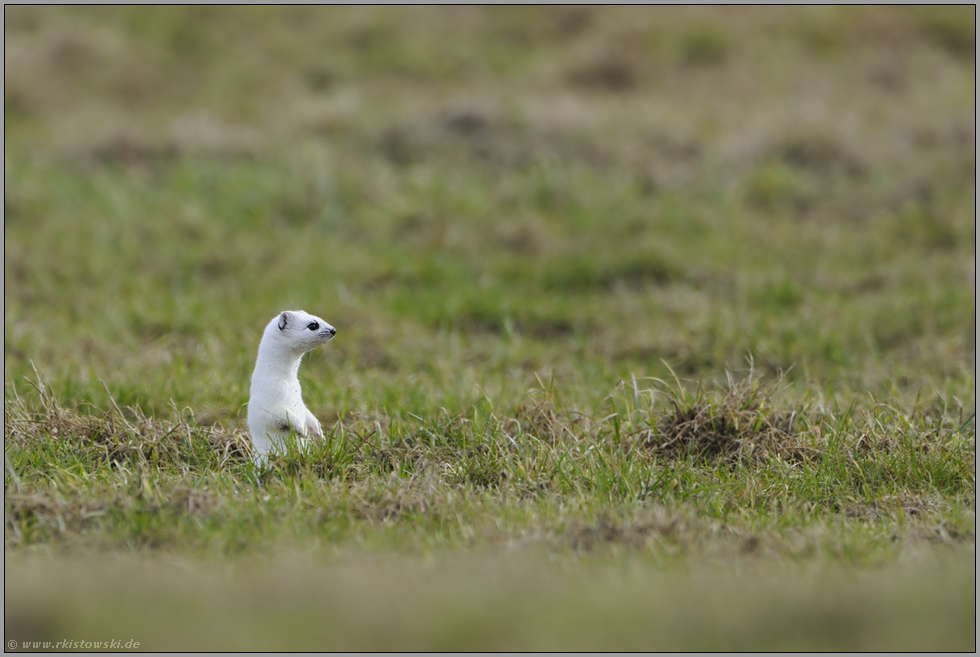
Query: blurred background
x: 478, y: 195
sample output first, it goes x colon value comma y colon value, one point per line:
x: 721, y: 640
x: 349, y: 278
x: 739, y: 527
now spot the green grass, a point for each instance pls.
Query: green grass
x: 656, y: 327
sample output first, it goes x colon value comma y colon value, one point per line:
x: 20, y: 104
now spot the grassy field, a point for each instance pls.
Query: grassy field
x: 656, y: 327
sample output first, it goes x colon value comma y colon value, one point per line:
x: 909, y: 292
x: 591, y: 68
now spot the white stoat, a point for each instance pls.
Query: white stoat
x: 275, y: 405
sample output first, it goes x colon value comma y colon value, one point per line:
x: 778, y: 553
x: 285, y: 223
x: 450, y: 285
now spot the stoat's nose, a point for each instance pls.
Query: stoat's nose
x: 332, y: 331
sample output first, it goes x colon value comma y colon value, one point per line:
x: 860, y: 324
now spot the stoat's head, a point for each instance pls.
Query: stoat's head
x: 299, y: 330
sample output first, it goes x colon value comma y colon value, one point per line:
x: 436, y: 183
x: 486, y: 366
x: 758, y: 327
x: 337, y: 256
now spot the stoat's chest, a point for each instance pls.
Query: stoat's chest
x: 287, y: 392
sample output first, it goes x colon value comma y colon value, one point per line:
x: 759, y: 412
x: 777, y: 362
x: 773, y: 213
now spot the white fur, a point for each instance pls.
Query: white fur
x: 275, y: 406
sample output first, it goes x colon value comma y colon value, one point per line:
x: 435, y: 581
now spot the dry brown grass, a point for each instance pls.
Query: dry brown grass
x: 745, y: 426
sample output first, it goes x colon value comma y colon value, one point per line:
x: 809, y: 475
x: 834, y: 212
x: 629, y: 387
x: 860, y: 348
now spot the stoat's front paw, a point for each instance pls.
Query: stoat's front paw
x: 313, y: 426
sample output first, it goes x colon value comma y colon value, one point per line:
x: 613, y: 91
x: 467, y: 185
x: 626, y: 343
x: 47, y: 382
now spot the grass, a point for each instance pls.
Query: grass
x: 656, y: 327
x: 504, y: 601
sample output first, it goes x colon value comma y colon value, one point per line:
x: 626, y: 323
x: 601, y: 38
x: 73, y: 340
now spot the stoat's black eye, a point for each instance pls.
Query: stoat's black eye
x: 313, y: 326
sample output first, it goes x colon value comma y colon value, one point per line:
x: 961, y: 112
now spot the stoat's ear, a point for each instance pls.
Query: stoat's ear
x: 282, y: 321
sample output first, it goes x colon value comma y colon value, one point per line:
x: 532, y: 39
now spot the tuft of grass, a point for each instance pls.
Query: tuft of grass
x: 93, y: 437
x: 743, y: 426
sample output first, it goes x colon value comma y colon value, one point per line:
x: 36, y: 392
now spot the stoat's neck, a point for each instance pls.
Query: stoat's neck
x: 277, y: 362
